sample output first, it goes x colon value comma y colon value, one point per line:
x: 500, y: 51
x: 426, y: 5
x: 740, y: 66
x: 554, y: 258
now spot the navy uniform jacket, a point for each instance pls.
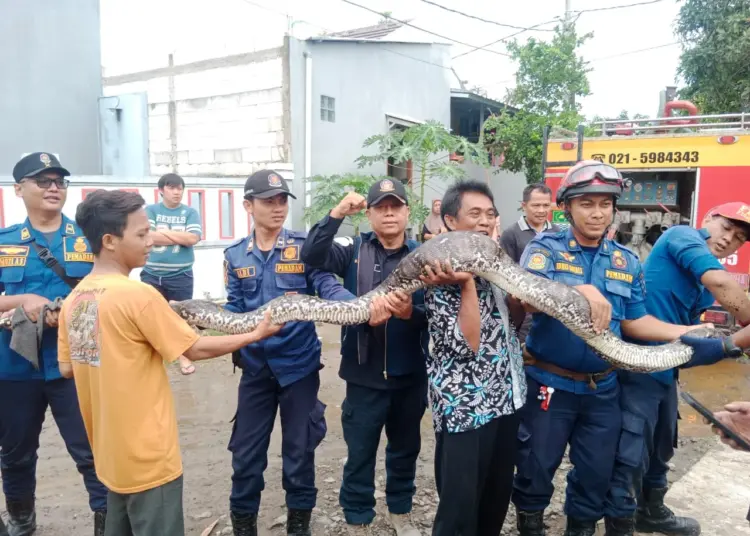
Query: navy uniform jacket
x: 614, y: 270
x: 23, y: 272
x: 252, y: 280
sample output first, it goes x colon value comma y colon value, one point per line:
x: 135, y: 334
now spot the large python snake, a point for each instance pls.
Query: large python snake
x: 466, y: 252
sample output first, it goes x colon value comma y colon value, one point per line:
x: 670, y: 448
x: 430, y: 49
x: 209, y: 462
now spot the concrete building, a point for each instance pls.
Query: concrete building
x: 50, y: 82
x: 305, y: 107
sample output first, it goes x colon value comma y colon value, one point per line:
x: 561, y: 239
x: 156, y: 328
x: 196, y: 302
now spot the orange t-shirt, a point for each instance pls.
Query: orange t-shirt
x: 117, y: 332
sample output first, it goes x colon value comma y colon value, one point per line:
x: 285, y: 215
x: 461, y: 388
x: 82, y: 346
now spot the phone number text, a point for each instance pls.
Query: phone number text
x: 674, y: 157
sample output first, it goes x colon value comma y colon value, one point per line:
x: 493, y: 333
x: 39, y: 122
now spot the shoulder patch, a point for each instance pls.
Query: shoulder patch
x: 536, y: 261
x: 13, y: 228
x: 235, y: 244
x: 344, y: 240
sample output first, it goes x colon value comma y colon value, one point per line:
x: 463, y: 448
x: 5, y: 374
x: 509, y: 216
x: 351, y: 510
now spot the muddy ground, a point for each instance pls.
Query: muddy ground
x: 206, y: 403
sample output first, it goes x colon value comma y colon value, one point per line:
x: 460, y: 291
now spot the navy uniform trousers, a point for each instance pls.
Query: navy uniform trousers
x: 591, y: 425
x: 649, y: 433
x: 23, y: 405
x: 303, y: 427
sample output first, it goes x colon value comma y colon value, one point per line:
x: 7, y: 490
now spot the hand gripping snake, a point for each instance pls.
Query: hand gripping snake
x: 467, y: 252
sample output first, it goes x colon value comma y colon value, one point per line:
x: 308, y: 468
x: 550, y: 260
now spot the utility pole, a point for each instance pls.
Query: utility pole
x: 567, y: 25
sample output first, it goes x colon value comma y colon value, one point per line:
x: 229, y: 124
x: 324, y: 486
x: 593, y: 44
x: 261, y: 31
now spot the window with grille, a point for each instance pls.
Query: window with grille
x: 327, y: 109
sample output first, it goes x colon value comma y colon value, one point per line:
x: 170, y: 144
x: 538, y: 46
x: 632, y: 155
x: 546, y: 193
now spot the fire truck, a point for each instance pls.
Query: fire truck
x: 676, y: 167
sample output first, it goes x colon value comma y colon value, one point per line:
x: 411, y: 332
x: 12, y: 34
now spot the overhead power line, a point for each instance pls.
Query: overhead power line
x: 506, y: 38
x: 635, y: 51
x: 423, y: 30
x: 488, y: 21
x: 617, y: 7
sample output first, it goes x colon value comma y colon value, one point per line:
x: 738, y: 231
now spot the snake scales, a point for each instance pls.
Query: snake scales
x: 469, y: 252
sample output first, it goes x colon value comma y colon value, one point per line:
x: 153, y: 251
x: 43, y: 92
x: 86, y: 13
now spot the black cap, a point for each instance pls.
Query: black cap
x: 266, y: 183
x: 33, y: 164
x: 386, y: 188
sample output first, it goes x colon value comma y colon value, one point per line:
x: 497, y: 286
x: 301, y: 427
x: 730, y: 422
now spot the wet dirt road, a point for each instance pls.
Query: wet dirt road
x: 206, y: 403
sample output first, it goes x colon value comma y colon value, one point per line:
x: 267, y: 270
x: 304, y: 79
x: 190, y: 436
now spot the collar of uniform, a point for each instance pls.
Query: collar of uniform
x: 570, y: 241
x: 524, y: 225
x: 281, y: 241
x: 373, y: 238
x: 67, y: 228
x: 704, y: 233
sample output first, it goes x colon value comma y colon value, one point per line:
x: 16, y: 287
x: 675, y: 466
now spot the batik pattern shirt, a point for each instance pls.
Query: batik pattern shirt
x: 469, y: 389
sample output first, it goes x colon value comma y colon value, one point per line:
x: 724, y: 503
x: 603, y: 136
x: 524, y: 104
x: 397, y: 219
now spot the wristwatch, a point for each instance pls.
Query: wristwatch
x: 731, y: 349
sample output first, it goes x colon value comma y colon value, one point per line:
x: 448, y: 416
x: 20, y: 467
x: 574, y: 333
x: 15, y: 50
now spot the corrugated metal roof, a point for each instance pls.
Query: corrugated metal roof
x: 378, y: 31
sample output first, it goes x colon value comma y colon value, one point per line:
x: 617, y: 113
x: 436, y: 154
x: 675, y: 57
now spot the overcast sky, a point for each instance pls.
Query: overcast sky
x: 139, y: 34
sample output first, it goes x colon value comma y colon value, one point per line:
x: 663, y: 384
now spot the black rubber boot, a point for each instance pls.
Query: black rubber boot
x: 100, y: 520
x: 619, y: 526
x: 244, y: 524
x: 21, y: 517
x: 653, y: 516
x: 298, y: 523
x: 580, y: 527
x: 3, y: 529
x: 530, y: 523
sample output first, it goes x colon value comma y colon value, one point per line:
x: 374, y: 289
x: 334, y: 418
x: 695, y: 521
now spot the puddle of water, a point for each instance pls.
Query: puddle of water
x: 712, y: 386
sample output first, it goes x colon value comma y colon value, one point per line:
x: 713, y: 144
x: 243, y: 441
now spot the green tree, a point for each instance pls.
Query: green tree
x: 551, y: 76
x: 329, y: 190
x: 427, y: 145
x: 715, y: 63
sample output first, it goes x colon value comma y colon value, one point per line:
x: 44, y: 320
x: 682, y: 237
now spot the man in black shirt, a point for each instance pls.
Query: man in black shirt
x: 383, y: 366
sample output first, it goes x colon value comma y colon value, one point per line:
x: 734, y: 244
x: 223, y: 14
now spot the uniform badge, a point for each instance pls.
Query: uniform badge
x: 25, y: 234
x: 280, y: 242
x: 274, y: 180
x: 567, y: 256
x: 386, y: 185
x: 80, y: 250
x: 618, y: 261
x: 572, y: 244
x: 290, y: 253
x: 537, y: 262
x: 11, y: 256
x: 45, y: 159
x: 250, y: 244
x: 69, y: 229
x: 290, y: 241
x: 80, y: 245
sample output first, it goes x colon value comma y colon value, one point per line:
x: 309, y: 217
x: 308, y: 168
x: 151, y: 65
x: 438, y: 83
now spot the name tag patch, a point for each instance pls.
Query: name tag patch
x: 618, y: 276
x: 290, y: 268
x: 565, y: 267
x: 11, y: 256
x: 244, y: 273
x: 77, y: 250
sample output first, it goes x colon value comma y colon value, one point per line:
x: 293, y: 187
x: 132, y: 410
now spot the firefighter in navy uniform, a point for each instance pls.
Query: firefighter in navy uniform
x: 41, y: 259
x: 281, y: 372
x: 585, y: 409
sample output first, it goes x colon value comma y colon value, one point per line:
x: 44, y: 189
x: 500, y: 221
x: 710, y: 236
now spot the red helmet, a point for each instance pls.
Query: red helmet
x: 590, y: 177
x: 736, y: 211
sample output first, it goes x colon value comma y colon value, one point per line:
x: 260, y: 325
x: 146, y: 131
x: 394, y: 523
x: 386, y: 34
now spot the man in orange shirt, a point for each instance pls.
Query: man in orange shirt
x: 114, y: 336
